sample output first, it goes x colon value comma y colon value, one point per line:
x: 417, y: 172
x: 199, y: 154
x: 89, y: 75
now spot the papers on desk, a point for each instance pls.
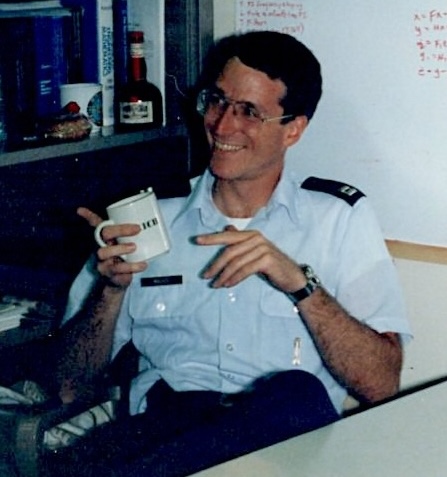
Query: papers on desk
x: 12, y: 311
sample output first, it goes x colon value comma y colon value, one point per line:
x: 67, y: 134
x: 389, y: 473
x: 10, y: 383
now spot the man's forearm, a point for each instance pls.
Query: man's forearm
x: 85, y: 342
x: 366, y: 362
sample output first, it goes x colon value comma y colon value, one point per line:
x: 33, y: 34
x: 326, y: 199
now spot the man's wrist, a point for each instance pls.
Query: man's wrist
x: 312, y: 283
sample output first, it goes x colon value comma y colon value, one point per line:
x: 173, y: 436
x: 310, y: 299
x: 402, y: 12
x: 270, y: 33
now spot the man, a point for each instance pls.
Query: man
x: 243, y: 346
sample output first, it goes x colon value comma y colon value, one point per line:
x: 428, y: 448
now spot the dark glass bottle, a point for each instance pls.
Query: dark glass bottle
x: 140, y: 101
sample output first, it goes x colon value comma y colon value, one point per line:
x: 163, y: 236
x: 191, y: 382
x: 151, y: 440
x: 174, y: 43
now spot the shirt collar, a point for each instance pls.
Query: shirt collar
x: 201, y: 201
x: 285, y: 195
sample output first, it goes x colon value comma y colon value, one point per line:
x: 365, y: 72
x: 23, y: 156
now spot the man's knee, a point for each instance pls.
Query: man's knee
x: 297, y: 392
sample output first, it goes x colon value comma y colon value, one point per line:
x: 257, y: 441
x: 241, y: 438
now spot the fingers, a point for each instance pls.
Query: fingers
x: 231, y: 268
x: 115, y: 251
x: 92, y: 218
x: 245, y: 254
x: 113, y: 267
x: 119, y: 272
x: 229, y: 236
x: 111, y: 232
x: 110, y: 263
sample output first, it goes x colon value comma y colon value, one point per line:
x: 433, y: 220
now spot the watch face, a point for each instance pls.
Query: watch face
x: 312, y: 284
x: 312, y: 279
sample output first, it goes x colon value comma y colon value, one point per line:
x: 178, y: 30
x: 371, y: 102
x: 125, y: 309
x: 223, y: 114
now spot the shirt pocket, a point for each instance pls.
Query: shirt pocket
x: 163, y: 323
x: 283, y: 338
x: 163, y: 302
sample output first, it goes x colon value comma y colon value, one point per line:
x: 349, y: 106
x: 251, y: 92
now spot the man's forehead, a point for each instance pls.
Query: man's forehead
x: 259, y: 87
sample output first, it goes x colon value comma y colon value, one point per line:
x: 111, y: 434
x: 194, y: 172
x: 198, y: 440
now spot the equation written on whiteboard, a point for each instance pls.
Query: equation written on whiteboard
x: 430, y: 27
x: 284, y: 16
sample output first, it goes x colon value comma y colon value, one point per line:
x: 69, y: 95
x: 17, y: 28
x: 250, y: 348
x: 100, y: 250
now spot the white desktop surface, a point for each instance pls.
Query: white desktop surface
x: 403, y: 438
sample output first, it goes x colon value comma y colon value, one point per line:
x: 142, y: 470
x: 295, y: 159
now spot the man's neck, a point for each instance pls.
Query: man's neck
x: 242, y: 198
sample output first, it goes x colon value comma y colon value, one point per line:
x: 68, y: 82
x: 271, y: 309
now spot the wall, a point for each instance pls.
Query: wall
x: 381, y: 121
x: 423, y: 274
x: 425, y: 286
x: 224, y: 12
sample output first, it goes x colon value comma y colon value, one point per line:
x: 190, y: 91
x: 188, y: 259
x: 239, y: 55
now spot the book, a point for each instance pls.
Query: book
x: 30, y: 9
x: 120, y: 41
x: 50, y: 62
x: 37, y: 5
x: 121, y: 48
x: 12, y: 311
x: 32, y: 70
x: 74, y: 46
x: 29, y: 13
x: 106, y: 61
x: 97, y: 49
x: 17, y: 76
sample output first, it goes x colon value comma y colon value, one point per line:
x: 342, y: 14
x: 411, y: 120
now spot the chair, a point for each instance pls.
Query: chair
x: 30, y: 426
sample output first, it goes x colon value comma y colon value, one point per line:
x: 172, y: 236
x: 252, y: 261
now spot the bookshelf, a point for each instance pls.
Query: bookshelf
x: 42, y: 242
x: 88, y: 145
x: 184, y: 36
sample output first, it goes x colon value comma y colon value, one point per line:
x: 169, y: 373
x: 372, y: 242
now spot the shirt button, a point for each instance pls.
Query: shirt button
x: 161, y: 307
x: 232, y: 297
x: 230, y: 347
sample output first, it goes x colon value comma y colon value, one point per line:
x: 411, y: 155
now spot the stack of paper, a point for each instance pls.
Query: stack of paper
x: 12, y: 311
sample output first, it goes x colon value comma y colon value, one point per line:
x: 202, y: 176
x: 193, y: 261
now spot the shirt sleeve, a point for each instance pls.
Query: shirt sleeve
x: 369, y: 285
x: 80, y: 290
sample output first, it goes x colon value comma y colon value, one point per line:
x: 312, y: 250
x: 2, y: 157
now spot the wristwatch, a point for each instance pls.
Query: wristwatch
x: 313, y: 282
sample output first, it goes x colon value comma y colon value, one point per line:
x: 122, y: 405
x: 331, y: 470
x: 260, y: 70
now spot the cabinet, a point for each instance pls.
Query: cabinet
x: 42, y: 242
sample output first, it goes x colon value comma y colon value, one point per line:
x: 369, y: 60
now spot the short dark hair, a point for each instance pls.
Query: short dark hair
x: 278, y: 55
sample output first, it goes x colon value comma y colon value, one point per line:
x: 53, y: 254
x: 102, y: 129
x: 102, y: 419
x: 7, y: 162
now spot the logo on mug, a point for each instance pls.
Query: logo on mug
x: 149, y: 223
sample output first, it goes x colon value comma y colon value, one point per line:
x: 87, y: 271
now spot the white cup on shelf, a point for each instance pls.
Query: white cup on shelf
x: 88, y: 96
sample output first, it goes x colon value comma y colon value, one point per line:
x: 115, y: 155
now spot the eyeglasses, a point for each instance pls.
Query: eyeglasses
x: 215, y: 104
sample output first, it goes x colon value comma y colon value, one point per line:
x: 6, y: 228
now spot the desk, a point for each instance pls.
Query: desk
x: 405, y: 437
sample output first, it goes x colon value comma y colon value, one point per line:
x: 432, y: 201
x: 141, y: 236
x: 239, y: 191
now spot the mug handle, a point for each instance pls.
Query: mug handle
x: 98, y: 231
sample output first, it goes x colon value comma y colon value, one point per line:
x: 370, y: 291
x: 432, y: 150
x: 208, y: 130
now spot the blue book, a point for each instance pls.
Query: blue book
x: 50, y: 62
x: 89, y: 44
x: 74, y: 50
x: 18, y: 78
x: 120, y: 41
x: 32, y: 71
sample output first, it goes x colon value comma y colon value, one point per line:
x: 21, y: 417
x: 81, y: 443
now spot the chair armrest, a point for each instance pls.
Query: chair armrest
x: 32, y: 423
x: 31, y: 426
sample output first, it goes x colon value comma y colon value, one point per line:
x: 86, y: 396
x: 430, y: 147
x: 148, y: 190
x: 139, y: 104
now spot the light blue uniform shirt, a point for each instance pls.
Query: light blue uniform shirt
x: 199, y: 338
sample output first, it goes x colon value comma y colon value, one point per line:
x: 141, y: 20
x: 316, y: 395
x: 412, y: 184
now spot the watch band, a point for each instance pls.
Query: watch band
x: 313, y: 282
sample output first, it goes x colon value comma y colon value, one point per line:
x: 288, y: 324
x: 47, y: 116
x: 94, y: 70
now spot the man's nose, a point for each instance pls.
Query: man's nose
x: 228, y: 117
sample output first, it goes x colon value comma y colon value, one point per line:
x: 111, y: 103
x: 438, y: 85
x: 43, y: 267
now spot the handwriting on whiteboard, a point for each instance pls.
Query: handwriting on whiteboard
x: 430, y: 28
x: 284, y: 16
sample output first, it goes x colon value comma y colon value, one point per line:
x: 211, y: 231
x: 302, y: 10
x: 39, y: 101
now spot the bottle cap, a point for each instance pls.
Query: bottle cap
x: 136, y: 37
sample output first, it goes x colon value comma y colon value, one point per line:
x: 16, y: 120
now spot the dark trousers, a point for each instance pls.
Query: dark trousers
x: 184, y: 432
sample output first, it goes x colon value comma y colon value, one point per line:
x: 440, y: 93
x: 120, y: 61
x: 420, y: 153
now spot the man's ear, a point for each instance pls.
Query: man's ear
x: 294, y: 130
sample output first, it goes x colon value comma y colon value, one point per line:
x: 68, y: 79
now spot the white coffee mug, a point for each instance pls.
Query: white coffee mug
x: 141, y: 209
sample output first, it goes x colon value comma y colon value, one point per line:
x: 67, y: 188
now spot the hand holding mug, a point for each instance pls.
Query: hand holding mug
x: 110, y: 265
x: 142, y: 210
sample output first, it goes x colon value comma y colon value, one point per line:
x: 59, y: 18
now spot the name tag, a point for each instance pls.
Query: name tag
x: 161, y: 281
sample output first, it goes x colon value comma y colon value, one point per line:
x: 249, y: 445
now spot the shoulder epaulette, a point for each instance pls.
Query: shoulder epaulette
x: 343, y: 191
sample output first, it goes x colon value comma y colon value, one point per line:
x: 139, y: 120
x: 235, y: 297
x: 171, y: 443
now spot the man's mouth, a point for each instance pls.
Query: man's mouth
x: 220, y: 146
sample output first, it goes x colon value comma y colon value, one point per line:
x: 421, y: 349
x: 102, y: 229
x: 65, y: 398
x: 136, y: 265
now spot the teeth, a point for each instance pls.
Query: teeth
x: 226, y: 147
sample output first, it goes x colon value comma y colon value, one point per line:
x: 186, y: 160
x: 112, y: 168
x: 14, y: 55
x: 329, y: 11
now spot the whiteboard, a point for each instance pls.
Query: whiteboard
x: 382, y: 122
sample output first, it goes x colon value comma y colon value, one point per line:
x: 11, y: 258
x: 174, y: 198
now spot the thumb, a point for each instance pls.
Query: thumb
x: 92, y: 218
